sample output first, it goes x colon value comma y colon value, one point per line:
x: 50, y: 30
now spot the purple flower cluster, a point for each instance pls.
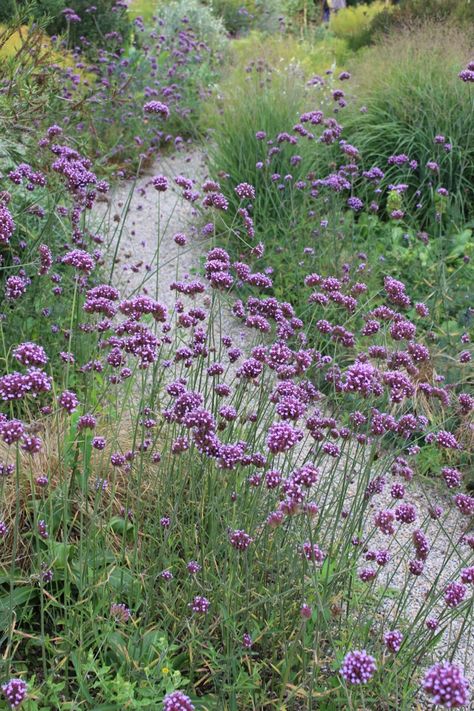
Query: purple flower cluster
x: 158, y: 108
x: 7, y: 225
x: 15, y: 692
x: 358, y: 667
x: 445, y: 683
x: 177, y: 701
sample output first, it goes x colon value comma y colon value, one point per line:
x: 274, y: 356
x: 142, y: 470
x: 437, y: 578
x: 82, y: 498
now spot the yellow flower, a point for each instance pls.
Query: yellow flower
x: 165, y: 670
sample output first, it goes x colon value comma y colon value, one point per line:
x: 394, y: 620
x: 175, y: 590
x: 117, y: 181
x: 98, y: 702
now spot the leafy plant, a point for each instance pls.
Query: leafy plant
x: 353, y: 23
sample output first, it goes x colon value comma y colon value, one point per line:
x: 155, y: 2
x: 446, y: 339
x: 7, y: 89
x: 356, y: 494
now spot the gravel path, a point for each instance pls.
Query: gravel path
x: 142, y: 227
x: 144, y: 224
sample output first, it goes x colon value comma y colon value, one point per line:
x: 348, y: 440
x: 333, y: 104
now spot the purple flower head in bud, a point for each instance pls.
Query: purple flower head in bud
x: 454, y: 594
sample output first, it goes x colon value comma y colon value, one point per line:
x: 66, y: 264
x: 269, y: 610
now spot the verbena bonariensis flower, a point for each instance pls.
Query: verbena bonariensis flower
x: 247, y: 641
x: 177, y: 701
x: 367, y: 574
x: 160, y: 183
x: 312, y: 552
x: 68, y: 401
x: 358, y: 667
x: 99, y: 443
x: 355, y: 204
x: 15, y: 287
x: 12, y: 431
x: 15, y: 692
x: 447, y: 440
x: 80, y: 260
x: 467, y: 75
x: 245, y: 190
x: 405, y: 513
x: 46, y: 259
x: 29, y: 353
x: 6, y: 469
x: 86, y: 422
x: 240, y: 540
x: 7, y: 225
x: 445, y: 683
x: 193, y: 567
x: 138, y: 306
x: 465, y: 504
x: 157, y: 107
x: 452, y: 477
x: 282, y: 437
x: 467, y: 575
x: 200, y: 604
x: 421, y: 544
x: 454, y: 594
x: 393, y: 640
x: 384, y: 521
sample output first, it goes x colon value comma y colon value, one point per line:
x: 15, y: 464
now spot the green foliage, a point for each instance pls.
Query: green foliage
x: 94, y: 26
x: 146, y: 9
x: 7, y: 10
x: 410, y: 13
x: 240, y: 16
x: 411, y: 93
x: 354, y: 23
x: 108, y: 544
x: 237, y: 16
x: 207, y: 27
x: 440, y: 271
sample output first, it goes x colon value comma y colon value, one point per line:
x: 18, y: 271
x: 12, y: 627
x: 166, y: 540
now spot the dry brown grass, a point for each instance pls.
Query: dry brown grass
x: 425, y: 47
x: 62, y: 461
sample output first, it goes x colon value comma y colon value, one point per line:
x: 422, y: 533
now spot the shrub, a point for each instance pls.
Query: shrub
x: 411, y: 93
x: 95, y: 25
x: 240, y: 16
x: 354, y: 23
x: 410, y: 13
x: 180, y: 14
x: 236, y: 15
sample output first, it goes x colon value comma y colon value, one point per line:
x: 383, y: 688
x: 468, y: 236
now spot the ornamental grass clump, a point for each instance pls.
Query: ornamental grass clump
x: 406, y: 86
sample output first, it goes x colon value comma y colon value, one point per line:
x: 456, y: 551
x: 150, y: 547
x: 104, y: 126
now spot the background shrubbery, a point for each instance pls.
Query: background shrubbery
x: 410, y: 93
x: 409, y: 13
x: 95, y: 26
x: 354, y: 23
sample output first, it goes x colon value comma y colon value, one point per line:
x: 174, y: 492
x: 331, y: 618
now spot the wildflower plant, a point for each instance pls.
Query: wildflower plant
x: 204, y: 511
